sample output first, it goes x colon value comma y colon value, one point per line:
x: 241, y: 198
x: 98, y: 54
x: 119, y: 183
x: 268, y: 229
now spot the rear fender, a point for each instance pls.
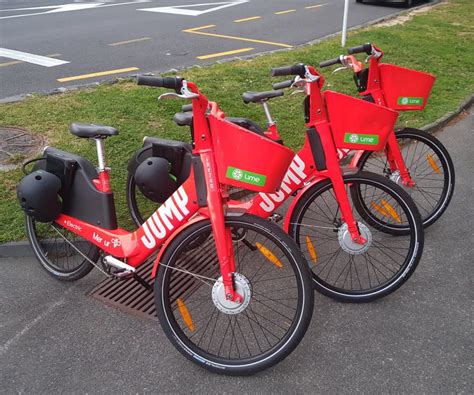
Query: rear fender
x: 198, y: 218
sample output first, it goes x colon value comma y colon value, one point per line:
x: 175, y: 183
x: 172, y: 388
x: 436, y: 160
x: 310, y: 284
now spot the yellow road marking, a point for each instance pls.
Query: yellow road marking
x: 135, y: 40
x: 99, y: 74
x: 197, y: 30
x: 268, y: 254
x: 310, y: 7
x: 252, y: 18
x: 432, y: 163
x: 216, y: 55
x: 54, y: 55
x: 284, y: 12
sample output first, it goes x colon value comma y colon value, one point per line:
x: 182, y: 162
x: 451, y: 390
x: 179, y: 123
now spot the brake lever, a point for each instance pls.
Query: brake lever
x: 171, y: 95
x: 297, y: 91
x: 339, y: 69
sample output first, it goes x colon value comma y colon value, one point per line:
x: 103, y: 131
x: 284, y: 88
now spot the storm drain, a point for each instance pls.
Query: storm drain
x: 128, y: 295
x: 133, y: 298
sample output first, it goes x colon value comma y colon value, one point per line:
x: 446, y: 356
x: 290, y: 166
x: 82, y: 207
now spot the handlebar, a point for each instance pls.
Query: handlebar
x: 297, y: 69
x: 367, y: 48
x: 330, y: 62
x: 187, y: 108
x: 175, y: 83
x: 282, y: 84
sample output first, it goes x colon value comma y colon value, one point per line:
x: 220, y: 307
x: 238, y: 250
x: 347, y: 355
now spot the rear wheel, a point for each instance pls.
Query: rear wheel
x: 59, y: 250
x: 351, y: 272
x: 223, y: 336
x: 430, y: 167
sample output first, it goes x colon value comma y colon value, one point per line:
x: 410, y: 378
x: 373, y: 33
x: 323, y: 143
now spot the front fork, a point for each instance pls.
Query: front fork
x: 335, y: 174
x: 395, y: 160
x: 222, y: 235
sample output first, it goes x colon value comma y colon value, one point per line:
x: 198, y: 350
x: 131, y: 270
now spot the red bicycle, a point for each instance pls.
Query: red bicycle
x: 232, y: 291
x: 349, y: 243
x: 413, y: 158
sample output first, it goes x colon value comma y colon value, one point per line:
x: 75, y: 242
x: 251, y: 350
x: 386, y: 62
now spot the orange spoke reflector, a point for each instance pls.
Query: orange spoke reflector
x: 432, y: 163
x: 311, y: 250
x: 268, y: 254
x: 379, y: 209
x: 391, y: 210
x: 185, y: 314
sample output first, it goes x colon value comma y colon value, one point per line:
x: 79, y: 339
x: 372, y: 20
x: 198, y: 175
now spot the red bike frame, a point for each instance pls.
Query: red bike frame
x: 303, y: 174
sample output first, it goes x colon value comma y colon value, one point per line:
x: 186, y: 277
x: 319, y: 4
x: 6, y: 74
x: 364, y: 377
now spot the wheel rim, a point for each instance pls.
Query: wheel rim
x: 263, y: 326
x: 356, y: 274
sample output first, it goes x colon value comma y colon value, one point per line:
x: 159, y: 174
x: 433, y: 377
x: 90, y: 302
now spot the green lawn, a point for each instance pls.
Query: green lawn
x: 440, y: 41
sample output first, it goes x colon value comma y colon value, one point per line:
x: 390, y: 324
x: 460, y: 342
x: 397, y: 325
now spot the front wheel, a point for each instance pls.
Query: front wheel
x: 430, y: 167
x: 343, y: 269
x: 223, y: 336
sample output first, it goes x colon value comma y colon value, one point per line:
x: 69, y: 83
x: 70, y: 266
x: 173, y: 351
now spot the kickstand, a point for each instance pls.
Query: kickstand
x: 142, y: 282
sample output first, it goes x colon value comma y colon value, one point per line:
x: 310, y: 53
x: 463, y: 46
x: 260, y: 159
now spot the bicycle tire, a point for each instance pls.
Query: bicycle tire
x: 430, y: 203
x: 244, y: 355
x: 56, y: 256
x: 323, y: 239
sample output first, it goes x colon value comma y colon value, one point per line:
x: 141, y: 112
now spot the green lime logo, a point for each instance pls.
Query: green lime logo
x: 365, y: 139
x: 237, y: 174
x: 409, y: 101
x: 245, y: 176
x: 354, y: 138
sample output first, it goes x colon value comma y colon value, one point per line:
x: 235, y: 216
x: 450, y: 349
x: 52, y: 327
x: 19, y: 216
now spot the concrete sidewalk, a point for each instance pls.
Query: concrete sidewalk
x: 55, y: 339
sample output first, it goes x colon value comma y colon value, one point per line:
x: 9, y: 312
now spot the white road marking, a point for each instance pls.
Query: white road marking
x: 6, y: 346
x: 185, y: 9
x: 65, y: 8
x: 31, y: 58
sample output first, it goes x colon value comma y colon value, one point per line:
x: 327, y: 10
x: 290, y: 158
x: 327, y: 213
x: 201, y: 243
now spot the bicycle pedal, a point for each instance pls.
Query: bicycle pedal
x: 122, y: 274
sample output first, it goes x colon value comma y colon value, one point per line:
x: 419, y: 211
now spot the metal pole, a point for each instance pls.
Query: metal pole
x: 344, y: 23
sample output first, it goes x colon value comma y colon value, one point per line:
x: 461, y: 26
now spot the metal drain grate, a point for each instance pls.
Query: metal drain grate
x: 128, y: 295
x: 132, y: 298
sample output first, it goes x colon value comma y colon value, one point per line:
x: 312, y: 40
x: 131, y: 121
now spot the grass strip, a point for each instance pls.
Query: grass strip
x: 439, y: 41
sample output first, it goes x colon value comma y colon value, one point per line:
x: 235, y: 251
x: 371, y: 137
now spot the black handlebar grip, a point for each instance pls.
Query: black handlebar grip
x: 187, y: 108
x: 367, y: 48
x: 160, y: 82
x: 282, y: 84
x: 297, y: 69
x: 330, y: 62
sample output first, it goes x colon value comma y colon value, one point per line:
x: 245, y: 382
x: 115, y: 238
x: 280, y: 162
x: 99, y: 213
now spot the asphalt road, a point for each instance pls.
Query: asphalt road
x: 55, y: 339
x: 114, y: 37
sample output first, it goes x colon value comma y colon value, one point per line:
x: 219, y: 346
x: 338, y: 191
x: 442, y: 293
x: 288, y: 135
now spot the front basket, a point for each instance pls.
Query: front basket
x: 247, y: 160
x: 405, y: 89
x: 358, y: 124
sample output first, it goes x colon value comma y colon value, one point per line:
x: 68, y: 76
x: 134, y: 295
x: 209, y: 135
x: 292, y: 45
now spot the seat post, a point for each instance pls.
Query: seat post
x: 270, y: 121
x: 99, y: 143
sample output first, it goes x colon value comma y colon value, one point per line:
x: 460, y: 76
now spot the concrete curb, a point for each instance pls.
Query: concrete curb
x: 445, y: 119
x: 16, y: 249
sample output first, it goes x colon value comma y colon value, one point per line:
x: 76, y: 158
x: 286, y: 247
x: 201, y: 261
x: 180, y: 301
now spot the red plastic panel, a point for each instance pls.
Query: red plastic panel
x: 358, y: 124
x: 247, y: 160
x: 405, y: 89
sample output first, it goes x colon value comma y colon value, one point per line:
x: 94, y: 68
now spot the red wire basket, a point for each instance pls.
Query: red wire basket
x: 358, y: 124
x: 247, y: 160
x: 405, y: 89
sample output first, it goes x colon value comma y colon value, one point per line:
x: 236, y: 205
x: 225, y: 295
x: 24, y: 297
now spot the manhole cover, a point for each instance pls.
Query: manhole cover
x: 16, y: 145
